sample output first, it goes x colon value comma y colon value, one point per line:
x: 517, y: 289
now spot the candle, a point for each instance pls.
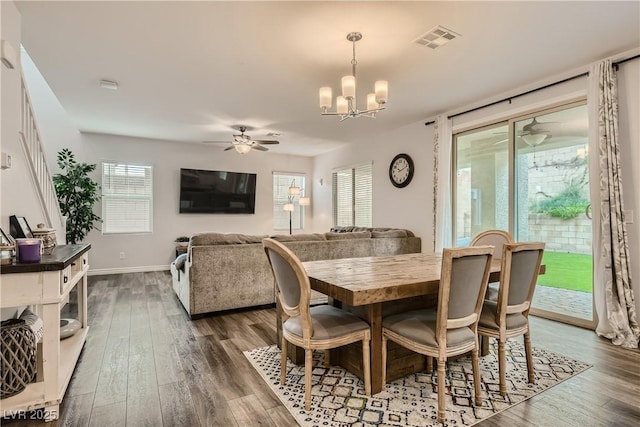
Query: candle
x: 28, y: 250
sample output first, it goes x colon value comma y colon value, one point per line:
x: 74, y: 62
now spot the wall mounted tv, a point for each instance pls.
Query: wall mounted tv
x: 203, y: 191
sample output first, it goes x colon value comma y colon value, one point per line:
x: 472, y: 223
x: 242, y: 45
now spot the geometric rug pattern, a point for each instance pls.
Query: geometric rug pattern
x: 338, y: 397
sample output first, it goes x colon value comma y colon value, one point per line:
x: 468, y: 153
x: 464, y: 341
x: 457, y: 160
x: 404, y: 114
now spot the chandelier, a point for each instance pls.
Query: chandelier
x: 346, y: 106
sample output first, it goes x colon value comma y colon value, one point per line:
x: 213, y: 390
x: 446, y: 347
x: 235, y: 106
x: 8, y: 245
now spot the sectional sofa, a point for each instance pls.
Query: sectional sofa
x: 228, y: 271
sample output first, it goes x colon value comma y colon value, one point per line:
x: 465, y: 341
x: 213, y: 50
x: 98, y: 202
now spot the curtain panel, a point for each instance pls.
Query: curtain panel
x: 613, y: 293
x: 442, y: 227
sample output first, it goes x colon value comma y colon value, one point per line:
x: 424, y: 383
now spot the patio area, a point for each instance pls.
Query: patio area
x: 564, y: 301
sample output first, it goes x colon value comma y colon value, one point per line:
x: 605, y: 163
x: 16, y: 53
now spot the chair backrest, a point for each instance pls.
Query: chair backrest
x: 463, y: 283
x: 292, y: 283
x: 518, y: 278
x: 496, y: 238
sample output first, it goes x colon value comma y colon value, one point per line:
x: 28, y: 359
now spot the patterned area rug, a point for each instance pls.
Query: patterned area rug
x: 338, y: 397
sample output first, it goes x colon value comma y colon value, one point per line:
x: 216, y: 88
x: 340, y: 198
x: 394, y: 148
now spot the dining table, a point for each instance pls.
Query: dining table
x: 375, y: 286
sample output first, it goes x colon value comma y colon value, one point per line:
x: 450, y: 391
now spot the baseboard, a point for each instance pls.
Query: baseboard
x: 121, y: 270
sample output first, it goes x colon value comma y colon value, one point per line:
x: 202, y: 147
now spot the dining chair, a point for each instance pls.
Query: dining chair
x: 321, y: 327
x: 450, y: 329
x: 495, y: 238
x: 508, y: 317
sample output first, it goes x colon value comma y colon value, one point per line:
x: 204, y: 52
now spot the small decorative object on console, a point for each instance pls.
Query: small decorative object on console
x: 7, y: 248
x: 28, y: 250
x: 48, y: 236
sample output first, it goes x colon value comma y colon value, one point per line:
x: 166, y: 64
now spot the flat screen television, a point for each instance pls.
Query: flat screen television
x: 203, y: 191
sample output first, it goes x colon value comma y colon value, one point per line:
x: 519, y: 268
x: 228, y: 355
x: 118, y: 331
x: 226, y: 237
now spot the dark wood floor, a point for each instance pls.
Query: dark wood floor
x: 145, y: 363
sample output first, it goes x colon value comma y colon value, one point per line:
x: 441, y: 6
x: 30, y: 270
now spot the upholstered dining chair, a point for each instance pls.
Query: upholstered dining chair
x: 321, y: 327
x: 495, y: 238
x: 451, y: 329
x: 508, y: 317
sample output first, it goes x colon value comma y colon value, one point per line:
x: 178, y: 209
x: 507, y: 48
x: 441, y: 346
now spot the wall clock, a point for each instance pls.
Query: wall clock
x: 401, y: 170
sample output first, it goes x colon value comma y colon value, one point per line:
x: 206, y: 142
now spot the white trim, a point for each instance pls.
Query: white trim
x: 121, y: 270
x: 352, y: 166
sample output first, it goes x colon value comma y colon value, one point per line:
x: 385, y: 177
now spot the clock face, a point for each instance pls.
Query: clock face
x: 401, y: 170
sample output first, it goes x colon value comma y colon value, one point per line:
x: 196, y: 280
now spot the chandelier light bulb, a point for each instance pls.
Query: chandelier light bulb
x: 342, y: 106
x: 325, y: 97
x: 349, y: 87
x: 372, y: 104
x: 382, y: 91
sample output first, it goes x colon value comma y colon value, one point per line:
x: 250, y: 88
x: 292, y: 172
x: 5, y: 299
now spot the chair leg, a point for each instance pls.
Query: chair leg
x: 484, y: 345
x: 476, y: 375
x: 502, y: 366
x: 429, y: 364
x: 308, y: 365
x: 384, y: 362
x: 366, y: 364
x: 283, y: 360
x: 441, y: 389
x: 327, y: 358
x: 527, y: 349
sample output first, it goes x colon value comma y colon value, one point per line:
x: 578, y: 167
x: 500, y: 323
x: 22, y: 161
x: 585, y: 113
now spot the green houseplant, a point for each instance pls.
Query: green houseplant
x: 77, y: 194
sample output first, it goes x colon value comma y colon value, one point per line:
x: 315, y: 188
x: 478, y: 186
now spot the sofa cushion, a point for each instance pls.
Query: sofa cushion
x: 299, y: 237
x: 389, y: 233
x: 348, y: 229
x: 351, y: 235
x: 207, y: 239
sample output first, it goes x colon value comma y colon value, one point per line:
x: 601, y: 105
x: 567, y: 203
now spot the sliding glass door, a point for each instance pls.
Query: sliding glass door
x: 530, y: 176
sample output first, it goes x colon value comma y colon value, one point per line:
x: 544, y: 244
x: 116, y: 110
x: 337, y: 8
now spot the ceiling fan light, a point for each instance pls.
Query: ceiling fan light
x: 242, y: 148
x: 535, y: 139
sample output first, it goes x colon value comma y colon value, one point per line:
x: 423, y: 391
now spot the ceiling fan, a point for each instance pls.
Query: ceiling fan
x: 243, y: 143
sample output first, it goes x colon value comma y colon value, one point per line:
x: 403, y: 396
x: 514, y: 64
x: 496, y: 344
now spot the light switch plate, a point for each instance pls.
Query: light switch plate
x: 5, y: 163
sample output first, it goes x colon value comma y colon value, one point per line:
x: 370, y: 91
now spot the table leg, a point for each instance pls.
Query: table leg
x: 374, y: 317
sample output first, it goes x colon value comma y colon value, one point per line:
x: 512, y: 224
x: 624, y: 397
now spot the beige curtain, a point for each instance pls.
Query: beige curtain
x: 442, y: 228
x: 613, y: 293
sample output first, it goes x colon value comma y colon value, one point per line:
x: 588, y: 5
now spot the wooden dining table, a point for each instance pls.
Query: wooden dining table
x: 371, y: 286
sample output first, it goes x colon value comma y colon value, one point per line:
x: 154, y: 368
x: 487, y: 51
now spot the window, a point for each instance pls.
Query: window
x: 127, y: 198
x: 281, y: 183
x: 352, y: 195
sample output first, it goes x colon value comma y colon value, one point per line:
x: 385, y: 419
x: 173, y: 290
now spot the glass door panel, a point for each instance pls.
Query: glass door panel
x: 481, y: 182
x: 551, y: 182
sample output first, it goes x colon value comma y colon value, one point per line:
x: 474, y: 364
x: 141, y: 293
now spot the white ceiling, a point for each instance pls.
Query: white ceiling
x: 188, y: 71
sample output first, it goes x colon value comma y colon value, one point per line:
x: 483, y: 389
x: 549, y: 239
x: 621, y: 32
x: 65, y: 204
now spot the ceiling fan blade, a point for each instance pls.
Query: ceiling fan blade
x: 260, y: 147
x: 261, y: 141
x: 229, y: 148
x: 215, y: 142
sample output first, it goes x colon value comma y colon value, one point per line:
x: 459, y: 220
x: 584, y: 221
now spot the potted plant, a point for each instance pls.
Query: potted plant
x: 77, y: 194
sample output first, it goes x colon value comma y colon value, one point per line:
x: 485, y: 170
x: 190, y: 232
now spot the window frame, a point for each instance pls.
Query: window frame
x: 355, y: 214
x: 143, y: 197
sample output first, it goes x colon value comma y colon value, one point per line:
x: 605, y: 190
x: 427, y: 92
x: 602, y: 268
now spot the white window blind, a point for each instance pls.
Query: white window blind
x: 281, y: 183
x: 352, y: 196
x: 127, y: 198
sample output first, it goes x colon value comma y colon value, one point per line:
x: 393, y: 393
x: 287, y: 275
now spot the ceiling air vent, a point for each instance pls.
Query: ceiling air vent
x: 436, y: 37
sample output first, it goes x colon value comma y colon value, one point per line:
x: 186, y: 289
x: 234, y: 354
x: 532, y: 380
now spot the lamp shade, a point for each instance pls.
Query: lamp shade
x: 349, y: 87
x: 342, y: 107
x: 382, y: 91
x: 288, y: 207
x: 325, y: 97
x: 305, y: 201
x: 294, y: 191
x: 371, y: 102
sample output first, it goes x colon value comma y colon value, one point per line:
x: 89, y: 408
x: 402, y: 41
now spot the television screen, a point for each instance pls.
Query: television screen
x: 203, y: 191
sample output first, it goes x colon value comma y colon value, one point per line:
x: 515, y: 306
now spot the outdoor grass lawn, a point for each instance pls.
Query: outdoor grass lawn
x: 567, y: 271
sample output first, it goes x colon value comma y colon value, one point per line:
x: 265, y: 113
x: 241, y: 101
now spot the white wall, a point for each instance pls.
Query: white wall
x: 409, y: 207
x: 156, y: 250
x: 17, y: 195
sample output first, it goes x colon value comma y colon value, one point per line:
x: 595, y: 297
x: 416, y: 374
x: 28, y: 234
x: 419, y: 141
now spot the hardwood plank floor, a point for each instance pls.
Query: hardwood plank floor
x: 146, y: 364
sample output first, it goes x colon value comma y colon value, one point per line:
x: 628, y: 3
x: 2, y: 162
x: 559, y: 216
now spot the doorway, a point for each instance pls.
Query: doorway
x: 529, y: 175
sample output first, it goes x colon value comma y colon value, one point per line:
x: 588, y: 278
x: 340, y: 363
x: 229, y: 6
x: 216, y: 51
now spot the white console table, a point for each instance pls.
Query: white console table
x: 46, y: 285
